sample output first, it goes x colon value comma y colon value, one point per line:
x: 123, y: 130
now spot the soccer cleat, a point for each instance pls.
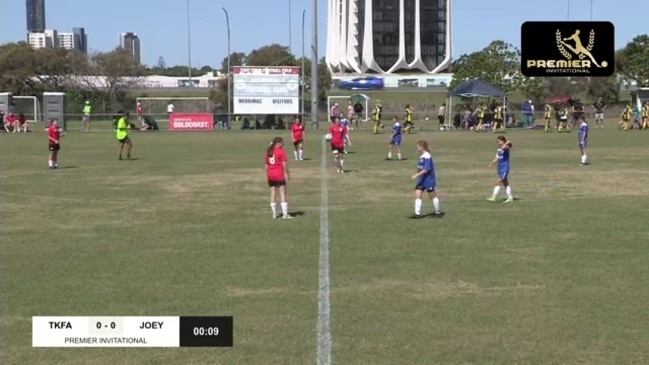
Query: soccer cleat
x: 120, y: 158
x: 492, y: 199
x: 286, y: 216
x: 509, y: 200
x: 415, y: 216
x: 301, y: 159
x: 439, y: 214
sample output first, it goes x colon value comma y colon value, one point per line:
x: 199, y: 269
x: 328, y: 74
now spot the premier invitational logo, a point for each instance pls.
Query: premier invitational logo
x: 567, y: 49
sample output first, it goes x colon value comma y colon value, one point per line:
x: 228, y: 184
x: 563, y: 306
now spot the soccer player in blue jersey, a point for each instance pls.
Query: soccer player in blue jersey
x: 502, y: 161
x: 345, y: 123
x: 395, y: 139
x: 583, y: 140
x: 425, y: 178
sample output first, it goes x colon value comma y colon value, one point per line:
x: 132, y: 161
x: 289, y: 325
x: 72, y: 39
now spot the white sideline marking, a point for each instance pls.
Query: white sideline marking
x: 324, y: 304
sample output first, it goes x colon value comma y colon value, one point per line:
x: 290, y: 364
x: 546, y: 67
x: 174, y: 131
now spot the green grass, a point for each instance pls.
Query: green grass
x: 558, y: 277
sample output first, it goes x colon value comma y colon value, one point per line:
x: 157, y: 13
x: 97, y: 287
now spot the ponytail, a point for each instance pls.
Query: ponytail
x: 271, y: 148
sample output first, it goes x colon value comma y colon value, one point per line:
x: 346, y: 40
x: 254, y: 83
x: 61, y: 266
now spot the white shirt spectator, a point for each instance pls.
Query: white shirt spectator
x: 170, y: 108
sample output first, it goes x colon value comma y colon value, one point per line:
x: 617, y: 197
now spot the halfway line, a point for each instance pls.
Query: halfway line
x: 324, y: 304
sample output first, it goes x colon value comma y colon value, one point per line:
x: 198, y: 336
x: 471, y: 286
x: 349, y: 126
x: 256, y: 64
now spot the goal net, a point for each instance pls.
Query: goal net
x: 158, y: 106
x: 28, y: 106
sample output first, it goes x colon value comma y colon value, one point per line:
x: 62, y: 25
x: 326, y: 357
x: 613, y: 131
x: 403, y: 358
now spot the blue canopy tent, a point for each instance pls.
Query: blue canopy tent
x: 472, y: 89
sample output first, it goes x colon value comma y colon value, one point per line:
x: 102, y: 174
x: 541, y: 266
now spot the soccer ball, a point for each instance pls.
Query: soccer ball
x: 441, y: 128
x: 328, y: 136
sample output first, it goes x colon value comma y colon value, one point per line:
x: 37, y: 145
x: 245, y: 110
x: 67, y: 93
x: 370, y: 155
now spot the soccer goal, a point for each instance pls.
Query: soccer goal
x: 29, y: 106
x: 158, y: 106
x: 343, y: 102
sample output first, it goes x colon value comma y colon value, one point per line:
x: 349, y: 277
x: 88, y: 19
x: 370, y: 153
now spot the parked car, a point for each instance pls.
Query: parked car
x: 362, y: 83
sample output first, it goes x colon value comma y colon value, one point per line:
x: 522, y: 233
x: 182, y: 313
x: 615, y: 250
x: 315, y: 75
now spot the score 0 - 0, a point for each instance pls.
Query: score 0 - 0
x: 102, y: 326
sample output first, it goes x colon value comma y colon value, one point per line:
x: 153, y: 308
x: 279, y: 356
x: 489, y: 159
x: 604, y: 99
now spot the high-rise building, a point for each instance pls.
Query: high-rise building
x: 35, y: 16
x: 66, y: 40
x: 80, y: 39
x: 47, y: 39
x: 389, y: 36
x: 131, y: 43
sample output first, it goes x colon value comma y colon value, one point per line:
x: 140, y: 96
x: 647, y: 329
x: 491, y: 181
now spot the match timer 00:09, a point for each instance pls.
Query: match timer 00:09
x: 206, y: 331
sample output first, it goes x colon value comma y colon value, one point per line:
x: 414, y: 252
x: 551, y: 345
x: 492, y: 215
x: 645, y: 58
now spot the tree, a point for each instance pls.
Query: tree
x: 635, y: 57
x: 29, y: 71
x: 236, y: 59
x: 114, y: 73
x: 498, y: 64
x: 162, y: 64
x: 271, y: 55
x: 324, y: 77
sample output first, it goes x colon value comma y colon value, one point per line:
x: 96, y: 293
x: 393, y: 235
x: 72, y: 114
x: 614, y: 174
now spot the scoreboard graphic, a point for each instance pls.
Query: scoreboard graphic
x: 132, y: 331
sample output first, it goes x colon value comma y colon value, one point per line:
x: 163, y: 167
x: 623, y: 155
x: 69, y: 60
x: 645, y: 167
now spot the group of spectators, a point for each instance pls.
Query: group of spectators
x: 12, y: 123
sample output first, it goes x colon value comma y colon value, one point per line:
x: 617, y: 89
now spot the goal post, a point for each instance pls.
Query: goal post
x: 29, y: 106
x: 343, y: 100
x: 157, y: 106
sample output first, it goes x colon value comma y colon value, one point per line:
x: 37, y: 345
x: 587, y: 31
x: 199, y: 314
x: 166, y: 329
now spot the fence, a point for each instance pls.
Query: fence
x: 423, y: 121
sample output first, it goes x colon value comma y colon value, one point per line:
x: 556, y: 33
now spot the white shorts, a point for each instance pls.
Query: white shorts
x: 599, y: 116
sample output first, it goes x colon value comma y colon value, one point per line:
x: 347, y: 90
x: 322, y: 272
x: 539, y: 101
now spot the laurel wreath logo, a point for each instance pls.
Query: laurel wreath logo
x: 591, y: 43
x: 560, y: 46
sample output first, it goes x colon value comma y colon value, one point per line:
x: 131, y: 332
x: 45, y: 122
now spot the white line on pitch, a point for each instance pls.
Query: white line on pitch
x: 324, y: 303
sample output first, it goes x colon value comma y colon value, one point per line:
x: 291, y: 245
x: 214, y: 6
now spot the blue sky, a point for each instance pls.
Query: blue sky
x: 162, y: 25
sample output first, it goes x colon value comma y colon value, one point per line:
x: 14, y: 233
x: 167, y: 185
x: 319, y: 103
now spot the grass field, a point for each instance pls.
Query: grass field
x: 558, y: 277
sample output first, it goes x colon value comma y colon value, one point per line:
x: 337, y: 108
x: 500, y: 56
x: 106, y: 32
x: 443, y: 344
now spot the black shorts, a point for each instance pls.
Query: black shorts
x: 54, y: 147
x: 337, y: 149
x: 408, y: 123
x: 296, y: 143
x: 124, y: 140
x: 276, y: 184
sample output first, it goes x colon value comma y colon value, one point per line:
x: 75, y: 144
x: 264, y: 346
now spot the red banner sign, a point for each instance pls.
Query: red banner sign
x: 183, y: 122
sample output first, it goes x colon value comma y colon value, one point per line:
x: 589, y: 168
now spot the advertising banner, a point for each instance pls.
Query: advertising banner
x: 184, y: 122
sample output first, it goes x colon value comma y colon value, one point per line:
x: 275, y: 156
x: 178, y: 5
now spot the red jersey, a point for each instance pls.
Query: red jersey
x: 298, y: 132
x: 11, y: 119
x: 338, y: 133
x: 275, y: 165
x: 140, y: 110
x: 54, y: 134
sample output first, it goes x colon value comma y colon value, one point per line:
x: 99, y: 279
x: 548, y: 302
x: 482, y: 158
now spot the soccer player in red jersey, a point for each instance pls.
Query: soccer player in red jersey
x: 140, y: 116
x: 297, y: 132
x: 338, y: 133
x: 10, y: 123
x: 54, y: 139
x: 277, y: 174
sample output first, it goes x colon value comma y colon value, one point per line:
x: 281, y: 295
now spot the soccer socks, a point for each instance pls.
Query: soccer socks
x: 296, y: 155
x: 300, y: 154
x: 51, y: 163
x: 273, y: 207
x: 436, y: 204
x: 584, y: 158
x: 508, y: 191
x: 496, y: 191
x: 389, y: 155
x: 284, y: 208
x: 418, y: 205
x: 399, y: 156
x: 341, y: 163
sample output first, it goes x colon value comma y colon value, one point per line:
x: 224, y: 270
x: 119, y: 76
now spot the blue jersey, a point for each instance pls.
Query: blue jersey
x: 427, y: 180
x: 397, y: 132
x: 344, y: 122
x: 503, y: 162
x: 583, y: 134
